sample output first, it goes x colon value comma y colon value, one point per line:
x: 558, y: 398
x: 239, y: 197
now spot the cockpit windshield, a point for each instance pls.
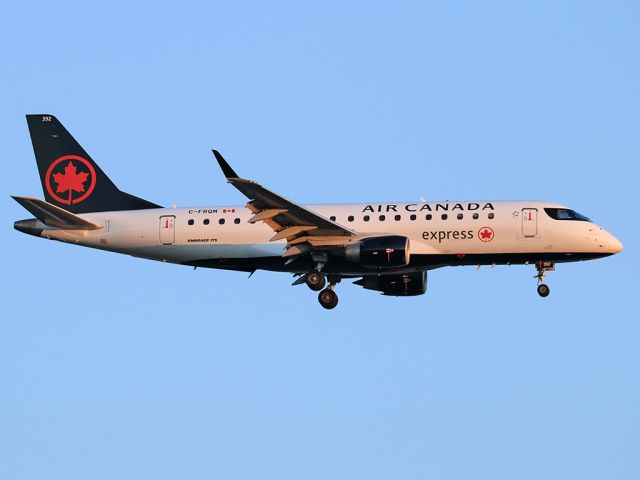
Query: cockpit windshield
x: 565, y: 214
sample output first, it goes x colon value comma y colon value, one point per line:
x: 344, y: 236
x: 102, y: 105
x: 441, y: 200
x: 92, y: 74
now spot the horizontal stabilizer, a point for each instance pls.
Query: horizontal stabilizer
x: 53, y: 216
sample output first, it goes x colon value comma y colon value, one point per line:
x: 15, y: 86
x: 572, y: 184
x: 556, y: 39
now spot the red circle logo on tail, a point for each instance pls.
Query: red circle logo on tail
x: 74, y: 178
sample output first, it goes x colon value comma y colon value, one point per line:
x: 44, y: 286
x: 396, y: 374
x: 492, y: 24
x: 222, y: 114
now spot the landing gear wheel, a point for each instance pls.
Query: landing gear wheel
x: 315, y: 281
x: 543, y: 290
x: 543, y: 267
x: 328, y: 298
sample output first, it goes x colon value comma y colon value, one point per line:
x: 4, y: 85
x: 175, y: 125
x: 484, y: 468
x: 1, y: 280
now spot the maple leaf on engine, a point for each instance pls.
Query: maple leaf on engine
x: 71, y: 180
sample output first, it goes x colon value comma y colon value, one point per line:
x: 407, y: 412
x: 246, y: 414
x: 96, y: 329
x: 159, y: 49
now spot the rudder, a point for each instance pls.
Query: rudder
x: 70, y: 178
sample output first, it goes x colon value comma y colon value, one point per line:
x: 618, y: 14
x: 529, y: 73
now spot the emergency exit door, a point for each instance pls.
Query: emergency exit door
x: 529, y: 222
x: 167, y: 229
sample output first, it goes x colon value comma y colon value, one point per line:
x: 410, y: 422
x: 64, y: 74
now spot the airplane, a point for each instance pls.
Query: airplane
x: 385, y: 247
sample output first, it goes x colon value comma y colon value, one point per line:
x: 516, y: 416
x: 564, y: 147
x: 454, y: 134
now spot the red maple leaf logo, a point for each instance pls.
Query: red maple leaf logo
x: 71, y: 180
x: 485, y: 234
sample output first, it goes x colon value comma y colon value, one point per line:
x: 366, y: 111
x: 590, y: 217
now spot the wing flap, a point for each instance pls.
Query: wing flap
x: 267, y: 214
x: 292, y: 232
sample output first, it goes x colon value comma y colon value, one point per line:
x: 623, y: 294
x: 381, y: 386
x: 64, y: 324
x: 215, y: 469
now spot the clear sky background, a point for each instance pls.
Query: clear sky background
x: 114, y: 367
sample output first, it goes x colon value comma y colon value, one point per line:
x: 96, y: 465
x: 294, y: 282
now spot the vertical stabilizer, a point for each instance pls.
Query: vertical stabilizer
x: 70, y: 178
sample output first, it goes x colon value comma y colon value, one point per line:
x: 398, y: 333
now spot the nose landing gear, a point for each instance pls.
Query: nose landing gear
x: 543, y: 268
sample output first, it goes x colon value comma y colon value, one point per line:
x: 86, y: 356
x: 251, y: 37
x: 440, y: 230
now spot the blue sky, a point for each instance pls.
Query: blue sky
x: 113, y: 367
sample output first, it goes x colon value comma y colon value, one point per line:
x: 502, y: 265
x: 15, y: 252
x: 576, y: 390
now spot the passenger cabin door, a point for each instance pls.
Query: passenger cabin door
x: 167, y: 229
x: 529, y: 222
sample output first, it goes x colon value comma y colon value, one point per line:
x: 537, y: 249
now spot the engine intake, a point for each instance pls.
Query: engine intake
x: 383, y: 252
x: 399, y: 285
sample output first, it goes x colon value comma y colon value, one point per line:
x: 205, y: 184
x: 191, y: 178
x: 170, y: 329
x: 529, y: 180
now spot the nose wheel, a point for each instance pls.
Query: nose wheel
x: 543, y: 290
x: 543, y: 268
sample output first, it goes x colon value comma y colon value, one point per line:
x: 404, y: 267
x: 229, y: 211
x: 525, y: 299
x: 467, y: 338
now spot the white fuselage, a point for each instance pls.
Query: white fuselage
x: 187, y: 235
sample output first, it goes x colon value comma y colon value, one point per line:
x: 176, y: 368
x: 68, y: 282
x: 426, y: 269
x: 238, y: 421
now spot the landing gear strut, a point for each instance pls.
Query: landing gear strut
x: 543, y: 268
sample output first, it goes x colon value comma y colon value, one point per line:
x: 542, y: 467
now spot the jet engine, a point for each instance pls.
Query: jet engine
x: 384, y: 252
x: 399, y: 285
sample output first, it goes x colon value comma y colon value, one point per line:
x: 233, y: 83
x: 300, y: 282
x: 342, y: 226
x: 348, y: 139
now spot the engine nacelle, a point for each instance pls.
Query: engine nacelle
x: 383, y: 252
x: 399, y: 285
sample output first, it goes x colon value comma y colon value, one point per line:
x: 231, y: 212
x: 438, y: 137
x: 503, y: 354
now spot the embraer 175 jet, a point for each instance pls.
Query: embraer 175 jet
x: 387, y: 247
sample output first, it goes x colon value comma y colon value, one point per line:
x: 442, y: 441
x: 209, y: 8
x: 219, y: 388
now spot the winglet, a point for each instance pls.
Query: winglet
x: 226, y: 168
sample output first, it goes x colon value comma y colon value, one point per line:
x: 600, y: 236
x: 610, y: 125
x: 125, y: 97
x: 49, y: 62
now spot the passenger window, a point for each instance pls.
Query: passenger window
x: 381, y: 218
x: 413, y: 217
x: 350, y: 218
x: 332, y: 218
x: 398, y: 218
x: 460, y: 216
x: 491, y: 215
x: 221, y: 221
x: 190, y: 222
x: 236, y: 221
x: 476, y: 216
x: 444, y: 216
x: 366, y: 218
x: 429, y: 216
x: 206, y: 221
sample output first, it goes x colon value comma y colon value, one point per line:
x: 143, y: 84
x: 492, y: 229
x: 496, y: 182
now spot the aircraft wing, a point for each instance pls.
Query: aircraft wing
x: 288, y: 220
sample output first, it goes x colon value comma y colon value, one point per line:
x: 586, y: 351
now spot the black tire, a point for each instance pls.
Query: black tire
x: 315, y: 281
x: 543, y: 290
x: 328, y: 298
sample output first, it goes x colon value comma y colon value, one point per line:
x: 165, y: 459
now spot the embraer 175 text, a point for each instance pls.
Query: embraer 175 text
x: 388, y: 247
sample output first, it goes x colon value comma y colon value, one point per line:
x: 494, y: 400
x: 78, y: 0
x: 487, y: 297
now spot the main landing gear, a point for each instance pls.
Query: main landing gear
x: 316, y: 281
x: 328, y: 298
x: 543, y: 268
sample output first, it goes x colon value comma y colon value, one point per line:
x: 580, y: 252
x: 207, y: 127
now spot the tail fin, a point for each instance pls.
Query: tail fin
x: 70, y: 178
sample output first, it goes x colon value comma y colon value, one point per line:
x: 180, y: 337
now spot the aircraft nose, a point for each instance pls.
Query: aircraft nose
x: 606, y: 242
x: 614, y: 244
